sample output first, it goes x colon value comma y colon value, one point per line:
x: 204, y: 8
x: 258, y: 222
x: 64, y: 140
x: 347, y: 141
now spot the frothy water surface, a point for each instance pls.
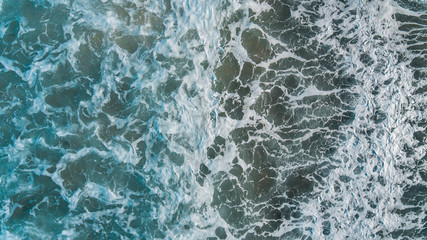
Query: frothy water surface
x: 211, y: 120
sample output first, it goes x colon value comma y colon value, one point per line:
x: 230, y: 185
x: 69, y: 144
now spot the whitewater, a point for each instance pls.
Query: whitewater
x: 213, y: 119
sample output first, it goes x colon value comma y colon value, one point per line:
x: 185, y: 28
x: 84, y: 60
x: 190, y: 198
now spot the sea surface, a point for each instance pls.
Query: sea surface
x: 213, y: 119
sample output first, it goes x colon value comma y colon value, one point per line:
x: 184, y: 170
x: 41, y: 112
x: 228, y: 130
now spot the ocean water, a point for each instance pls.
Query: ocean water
x: 213, y: 119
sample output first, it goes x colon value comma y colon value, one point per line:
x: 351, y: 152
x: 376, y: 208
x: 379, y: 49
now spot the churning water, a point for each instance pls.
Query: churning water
x: 213, y: 119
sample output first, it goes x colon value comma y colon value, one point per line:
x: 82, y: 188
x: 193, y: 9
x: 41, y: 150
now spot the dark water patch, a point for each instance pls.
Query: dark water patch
x: 256, y: 45
x: 63, y: 74
x: 89, y: 63
x: 11, y: 32
x: 64, y: 96
x: 226, y: 72
x: 249, y: 73
x: 275, y: 17
x: 220, y: 233
x: 116, y: 106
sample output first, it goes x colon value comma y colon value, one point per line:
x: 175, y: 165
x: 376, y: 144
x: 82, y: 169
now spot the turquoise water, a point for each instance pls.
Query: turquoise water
x: 200, y: 119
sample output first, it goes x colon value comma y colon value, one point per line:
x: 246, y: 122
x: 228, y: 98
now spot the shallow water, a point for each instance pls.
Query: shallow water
x: 213, y: 119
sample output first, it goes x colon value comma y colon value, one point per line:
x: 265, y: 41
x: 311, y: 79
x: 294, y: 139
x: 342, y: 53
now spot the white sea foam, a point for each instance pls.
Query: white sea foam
x: 152, y: 43
x: 383, y: 151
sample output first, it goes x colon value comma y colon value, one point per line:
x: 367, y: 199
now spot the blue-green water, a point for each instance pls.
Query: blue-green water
x: 225, y: 119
